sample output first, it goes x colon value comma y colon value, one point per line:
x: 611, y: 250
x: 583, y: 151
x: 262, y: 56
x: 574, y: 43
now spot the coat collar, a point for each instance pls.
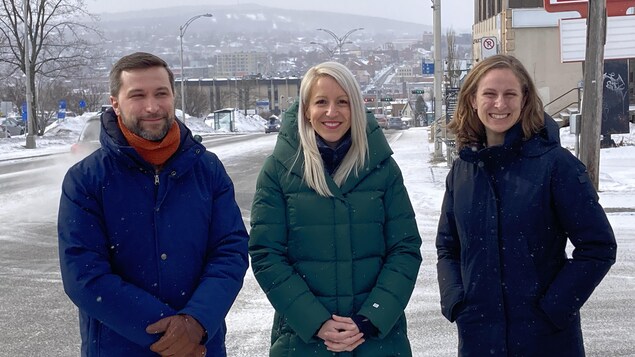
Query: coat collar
x: 113, y: 141
x: 287, y: 151
x: 515, y: 145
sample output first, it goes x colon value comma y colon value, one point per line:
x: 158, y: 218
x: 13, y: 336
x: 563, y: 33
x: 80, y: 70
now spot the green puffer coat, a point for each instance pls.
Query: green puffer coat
x: 355, y: 253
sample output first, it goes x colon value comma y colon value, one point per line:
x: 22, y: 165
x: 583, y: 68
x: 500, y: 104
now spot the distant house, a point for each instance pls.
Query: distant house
x: 397, y: 109
x: 408, y: 111
x: 361, y: 71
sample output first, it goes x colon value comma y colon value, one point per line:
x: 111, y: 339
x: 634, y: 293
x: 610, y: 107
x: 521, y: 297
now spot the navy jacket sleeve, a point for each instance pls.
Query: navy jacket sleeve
x: 449, y: 255
x: 227, y: 260
x: 88, y: 278
x: 587, y: 226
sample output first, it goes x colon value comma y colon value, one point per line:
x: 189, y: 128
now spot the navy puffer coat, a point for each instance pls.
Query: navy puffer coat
x: 137, y: 245
x: 503, y: 273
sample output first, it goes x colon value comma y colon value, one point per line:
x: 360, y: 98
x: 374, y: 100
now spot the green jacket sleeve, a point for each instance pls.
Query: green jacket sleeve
x: 284, y: 287
x: 388, y: 299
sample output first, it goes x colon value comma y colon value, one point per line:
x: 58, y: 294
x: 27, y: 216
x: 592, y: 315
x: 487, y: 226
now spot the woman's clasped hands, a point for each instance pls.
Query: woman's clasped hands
x: 340, y: 334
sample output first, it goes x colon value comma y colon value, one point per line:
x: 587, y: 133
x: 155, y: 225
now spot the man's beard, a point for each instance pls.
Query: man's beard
x: 147, y: 134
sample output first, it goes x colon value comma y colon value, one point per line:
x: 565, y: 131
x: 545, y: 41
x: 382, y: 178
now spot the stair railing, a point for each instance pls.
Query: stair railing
x: 578, y: 102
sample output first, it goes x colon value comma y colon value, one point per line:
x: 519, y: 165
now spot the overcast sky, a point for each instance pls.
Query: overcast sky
x: 458, y: 14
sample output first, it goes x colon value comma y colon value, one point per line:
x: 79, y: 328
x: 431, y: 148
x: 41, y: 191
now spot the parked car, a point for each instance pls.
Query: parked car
x: 273, y: 125
x: 397, y: 123
x: 381, y: 120
x: 12, y: 125
x: 88, y: 138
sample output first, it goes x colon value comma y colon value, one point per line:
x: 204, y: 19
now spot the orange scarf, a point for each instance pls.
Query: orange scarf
x: 154, y: 152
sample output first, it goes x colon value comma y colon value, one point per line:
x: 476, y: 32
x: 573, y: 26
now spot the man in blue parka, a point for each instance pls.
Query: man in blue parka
x: 153, y: 249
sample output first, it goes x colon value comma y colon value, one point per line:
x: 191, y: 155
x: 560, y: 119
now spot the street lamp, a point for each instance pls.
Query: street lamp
x: 340, y: 41
x: 325, y: 48
x: 182, y: 30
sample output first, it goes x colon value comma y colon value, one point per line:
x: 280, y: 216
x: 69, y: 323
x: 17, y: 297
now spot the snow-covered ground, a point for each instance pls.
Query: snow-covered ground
x: 607, y: 317
x: 61, y: 134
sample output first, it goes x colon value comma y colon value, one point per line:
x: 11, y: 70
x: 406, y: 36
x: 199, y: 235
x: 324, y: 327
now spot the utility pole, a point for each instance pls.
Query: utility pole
x: 593, y: 82
x: 438, y: 76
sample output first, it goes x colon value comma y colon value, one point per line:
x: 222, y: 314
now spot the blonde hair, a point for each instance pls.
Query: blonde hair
x: 466, y: 124
x: 314, y: 172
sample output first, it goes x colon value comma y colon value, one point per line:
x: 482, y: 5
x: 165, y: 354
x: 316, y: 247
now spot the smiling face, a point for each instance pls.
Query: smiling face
x: 498, y: 102
x: 329, y: 110
x: 145, y: 102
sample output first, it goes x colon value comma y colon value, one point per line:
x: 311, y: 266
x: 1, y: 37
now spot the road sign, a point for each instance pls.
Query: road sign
x: 427, y: 68
x: 61, y: 113
x: 613, y: 7
x: 488, y: 46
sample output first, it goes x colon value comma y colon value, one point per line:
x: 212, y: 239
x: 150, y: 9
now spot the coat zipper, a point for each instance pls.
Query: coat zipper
x: 156, y: 179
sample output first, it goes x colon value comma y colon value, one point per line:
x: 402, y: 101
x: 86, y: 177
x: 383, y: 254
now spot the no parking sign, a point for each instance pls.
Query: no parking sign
x: 489, y: 46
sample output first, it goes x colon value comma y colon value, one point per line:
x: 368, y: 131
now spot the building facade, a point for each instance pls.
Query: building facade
x: 524, y: 29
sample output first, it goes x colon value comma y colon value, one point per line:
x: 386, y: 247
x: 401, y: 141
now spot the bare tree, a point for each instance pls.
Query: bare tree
x: 454, y: 66
x: 14, y: 90
x: 197, y: 101
x: 95, y: 94
x: 49, y: 93
x: 57, y: 40
x: 421, y: 110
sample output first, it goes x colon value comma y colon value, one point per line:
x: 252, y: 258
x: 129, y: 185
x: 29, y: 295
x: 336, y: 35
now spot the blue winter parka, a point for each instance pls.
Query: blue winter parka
x: 355, y: 253
x: 503, y: 271
x: 137, y: 245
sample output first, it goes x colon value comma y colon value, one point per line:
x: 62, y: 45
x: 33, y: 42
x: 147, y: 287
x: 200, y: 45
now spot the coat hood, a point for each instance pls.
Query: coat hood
x: 540, y: 143
x: 286, y: 149
x: 112, y: 140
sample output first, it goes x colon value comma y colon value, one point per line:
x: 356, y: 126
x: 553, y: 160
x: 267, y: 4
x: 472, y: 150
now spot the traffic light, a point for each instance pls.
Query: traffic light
x: 369, y: 100
x: 386, y: 99
x: 417, y: 91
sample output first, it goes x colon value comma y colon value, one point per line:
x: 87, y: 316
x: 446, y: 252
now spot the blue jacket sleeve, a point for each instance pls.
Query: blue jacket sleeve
x: 227, y: 259
x: 87, y: 275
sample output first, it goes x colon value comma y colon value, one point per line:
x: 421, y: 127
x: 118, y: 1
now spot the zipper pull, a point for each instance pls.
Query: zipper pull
x: 156, y: 179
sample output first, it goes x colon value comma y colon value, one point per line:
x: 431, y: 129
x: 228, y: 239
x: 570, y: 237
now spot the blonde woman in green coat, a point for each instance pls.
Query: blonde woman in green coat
x: 334, y: 243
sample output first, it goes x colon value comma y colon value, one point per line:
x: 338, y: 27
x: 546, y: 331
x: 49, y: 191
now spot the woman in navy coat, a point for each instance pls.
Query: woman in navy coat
x: 512, y: 201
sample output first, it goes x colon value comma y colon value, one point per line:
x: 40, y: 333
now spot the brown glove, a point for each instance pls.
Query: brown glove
x: 200, y: 351
x: 182, y: 336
